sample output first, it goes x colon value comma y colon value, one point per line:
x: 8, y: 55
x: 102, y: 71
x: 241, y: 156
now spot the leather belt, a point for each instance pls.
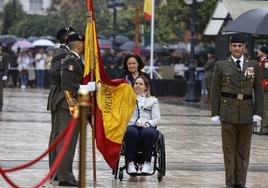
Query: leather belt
x: 239, y: 96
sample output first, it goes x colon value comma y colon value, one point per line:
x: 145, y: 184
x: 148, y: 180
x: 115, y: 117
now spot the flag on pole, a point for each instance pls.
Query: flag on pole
x: 148, y: 9
x: 116, y: 99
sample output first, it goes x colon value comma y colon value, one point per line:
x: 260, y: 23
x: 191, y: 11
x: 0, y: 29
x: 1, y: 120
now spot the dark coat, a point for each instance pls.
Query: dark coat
x: 72, y: 76
x: 3, y: 64
x: 56, y: 94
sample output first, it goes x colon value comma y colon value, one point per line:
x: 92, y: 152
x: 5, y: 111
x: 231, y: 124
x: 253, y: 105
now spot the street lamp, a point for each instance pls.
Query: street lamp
x: 192, y: 93
x: 114, y: 6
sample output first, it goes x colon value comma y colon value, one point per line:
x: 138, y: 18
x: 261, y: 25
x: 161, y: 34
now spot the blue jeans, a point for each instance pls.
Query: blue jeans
x: 40, y: 78
x: 24, y: 77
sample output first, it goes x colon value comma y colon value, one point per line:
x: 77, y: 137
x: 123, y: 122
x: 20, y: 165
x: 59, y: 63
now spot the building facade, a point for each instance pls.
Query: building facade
x: 31, y: 6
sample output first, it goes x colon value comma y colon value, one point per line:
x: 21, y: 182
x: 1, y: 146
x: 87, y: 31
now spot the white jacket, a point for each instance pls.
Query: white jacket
x: 147, y: 112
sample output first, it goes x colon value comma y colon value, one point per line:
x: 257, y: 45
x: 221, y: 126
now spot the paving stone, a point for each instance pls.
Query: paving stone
x: 193, y: 146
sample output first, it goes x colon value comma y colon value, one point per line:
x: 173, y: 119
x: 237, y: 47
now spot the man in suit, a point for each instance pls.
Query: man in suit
x: 56, y: 94
x: 3, y: 73
x: 263, y: 62
x: 72, y: 71
x: 236, y: 102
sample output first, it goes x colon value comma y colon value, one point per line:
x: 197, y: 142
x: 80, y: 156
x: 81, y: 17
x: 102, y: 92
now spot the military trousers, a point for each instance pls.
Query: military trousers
x: 65, y: 169
x: 55, y: 132
x: 264, y: 122
x: 236, y: 143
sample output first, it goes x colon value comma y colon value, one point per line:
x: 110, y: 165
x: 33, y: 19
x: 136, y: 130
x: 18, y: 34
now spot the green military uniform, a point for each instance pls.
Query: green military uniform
x: 264, y: 76
x: 236, y: 96
x: 71, y: 78
x: 56, y: 96
x: 3, y: 72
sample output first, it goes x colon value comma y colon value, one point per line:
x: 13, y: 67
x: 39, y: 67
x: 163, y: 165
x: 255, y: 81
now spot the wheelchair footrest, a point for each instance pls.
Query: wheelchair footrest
x: 140, y: 174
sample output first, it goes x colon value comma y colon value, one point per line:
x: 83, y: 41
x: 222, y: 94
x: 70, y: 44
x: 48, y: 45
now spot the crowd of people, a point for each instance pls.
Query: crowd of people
x: 236, y: 87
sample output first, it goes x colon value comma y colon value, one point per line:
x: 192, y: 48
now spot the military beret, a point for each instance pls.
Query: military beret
x: 264, y: 49
x: 238, y: 38
x: 75, y: 37
x: 63, y: 31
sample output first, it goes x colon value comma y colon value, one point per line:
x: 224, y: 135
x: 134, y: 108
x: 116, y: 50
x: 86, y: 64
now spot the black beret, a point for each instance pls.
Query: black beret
x: 238, y: 38
x: 264, y: 49
x: 63, y: 31
x: 75, y: 37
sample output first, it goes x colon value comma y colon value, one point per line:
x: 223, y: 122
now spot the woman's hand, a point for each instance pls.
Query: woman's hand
x: 139, y: 124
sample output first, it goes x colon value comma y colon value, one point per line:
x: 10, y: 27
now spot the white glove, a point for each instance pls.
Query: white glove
x: 216, y: 120
x: 90, y: 86
x: 257, y: 119
x: 4, y: 78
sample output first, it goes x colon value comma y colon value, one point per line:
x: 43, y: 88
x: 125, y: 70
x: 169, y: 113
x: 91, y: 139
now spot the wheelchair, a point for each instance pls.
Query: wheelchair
x: 158, y: 160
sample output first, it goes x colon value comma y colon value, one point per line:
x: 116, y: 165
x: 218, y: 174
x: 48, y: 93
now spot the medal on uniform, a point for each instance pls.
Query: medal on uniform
x: 249, y: 72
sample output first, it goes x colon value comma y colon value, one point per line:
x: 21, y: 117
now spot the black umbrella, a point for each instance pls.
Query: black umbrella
x: 120, y: 39
x: 129, y: 46
x: 8, y: 39
x: 253, y: 22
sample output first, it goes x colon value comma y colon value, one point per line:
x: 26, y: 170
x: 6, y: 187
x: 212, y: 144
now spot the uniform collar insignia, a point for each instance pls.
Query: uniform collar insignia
x: 71, y: 68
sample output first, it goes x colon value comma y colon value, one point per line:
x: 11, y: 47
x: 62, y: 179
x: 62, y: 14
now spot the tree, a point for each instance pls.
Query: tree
x: 13, y: 13
x: 34, y: 25
x: 174, y: 18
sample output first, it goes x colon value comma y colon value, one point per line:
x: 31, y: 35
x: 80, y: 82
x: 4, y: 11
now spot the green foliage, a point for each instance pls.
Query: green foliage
x: 13, y: 13
x: 171, y: 19
x: 33, y: 25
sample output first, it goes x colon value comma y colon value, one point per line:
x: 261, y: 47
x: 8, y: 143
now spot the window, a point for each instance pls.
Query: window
x: 36, y: 5
x: 2, y: 4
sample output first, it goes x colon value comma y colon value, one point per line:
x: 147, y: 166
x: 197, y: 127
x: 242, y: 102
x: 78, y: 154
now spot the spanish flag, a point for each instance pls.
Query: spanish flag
x: 148, y: 9
x: 116, y: 99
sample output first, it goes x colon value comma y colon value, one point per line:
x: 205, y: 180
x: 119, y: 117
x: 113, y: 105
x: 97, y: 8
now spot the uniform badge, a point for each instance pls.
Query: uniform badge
x: 71, y: 68
x: 249, y: 72
x: 266, y: 65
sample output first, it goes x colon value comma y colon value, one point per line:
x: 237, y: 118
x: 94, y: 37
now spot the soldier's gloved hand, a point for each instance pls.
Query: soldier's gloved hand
x: 257, y: 119
x: 216, y: 120
x: 90, y: 86
x: 4, y: 78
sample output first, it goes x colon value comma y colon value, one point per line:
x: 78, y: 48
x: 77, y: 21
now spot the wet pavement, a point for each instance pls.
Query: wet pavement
x: 193, y: 146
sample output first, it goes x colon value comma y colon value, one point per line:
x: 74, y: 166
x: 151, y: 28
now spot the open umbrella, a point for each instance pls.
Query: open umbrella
x: 159, y: 49
x: 129, y: 46
x: 23, y: 44
x: 43, y: 42
x: 105, y: 44
x: 8, y: 39
x: 252, y: 22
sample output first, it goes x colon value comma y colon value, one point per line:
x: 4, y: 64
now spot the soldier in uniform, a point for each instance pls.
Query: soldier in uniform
x: 56, y: 94
x: 3, y: 73
x: 72, y: 75
x: 263, y: 62
x: 235, y: 82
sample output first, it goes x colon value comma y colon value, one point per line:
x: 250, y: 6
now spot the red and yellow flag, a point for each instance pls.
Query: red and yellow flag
x: 148, y: 9
x: 116, y: 99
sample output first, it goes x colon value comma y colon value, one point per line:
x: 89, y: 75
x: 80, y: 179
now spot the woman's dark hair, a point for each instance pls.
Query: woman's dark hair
x: 146, y: 82
x: 138, y: 58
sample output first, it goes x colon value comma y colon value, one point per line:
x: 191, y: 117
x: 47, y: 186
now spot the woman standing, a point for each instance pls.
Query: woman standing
x: 132, y: 66
x: 142, y: 126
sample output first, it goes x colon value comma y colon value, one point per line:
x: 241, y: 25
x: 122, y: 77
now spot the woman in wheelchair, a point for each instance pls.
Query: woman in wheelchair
x: 141, y: 130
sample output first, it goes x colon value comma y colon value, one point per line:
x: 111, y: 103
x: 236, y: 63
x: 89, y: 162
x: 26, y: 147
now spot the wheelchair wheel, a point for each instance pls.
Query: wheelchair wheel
x: 162, y: 157
x: 159, y: 176
x: 121, y: 175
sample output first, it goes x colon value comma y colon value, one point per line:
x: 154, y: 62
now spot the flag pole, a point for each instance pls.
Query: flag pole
x: 152, y: 41
x: 92, y: 96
